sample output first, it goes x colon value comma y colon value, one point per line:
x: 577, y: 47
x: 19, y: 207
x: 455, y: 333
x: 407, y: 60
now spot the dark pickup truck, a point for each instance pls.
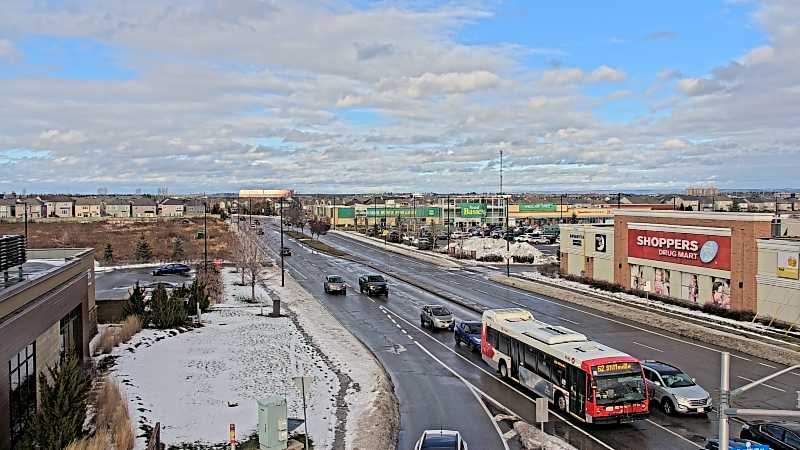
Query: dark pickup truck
x: 373, y: 285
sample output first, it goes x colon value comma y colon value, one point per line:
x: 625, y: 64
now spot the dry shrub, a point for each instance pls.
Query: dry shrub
x: 113, y: 336
x: 113, y: 416
x: 131, y: 326
x: 100, y: 441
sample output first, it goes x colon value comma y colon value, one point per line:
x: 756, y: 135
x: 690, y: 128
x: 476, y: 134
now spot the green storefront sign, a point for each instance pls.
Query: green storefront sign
x: 472, y: 210
x: 346, y: 213
x: 537, y: 207
x: 403, y: 212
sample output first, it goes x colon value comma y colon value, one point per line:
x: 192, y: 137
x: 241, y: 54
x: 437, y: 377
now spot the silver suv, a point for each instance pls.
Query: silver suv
x: 674, y: 390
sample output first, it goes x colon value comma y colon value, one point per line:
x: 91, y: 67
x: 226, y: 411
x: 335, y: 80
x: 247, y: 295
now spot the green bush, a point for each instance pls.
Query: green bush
x: 135, y: 305
x: 62, y: 411
x: 167, y: 311
x: 491, y: 258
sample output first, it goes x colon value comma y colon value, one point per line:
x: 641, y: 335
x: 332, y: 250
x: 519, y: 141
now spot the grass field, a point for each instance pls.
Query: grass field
x: 123, y: 237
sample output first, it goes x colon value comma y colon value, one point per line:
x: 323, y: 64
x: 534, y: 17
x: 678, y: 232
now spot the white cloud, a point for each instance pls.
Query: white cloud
x: 8, y: 51
x: 674, y: 144
x: 562, y: 76
x: 698, y: 86
x: 430, y: 84
x: 758, y: 55
x: 606, y: 74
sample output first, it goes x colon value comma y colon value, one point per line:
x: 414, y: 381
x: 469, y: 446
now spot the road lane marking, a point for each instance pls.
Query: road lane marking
x: 673, y: 433
x: 567, y: 320
x: 522, y: 394
x: 762, y: 384
x: 767, y: 365
x: 647, y: 346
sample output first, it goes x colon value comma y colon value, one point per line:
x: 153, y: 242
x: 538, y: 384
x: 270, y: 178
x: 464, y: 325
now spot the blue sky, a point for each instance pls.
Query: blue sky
x: 324, y: 91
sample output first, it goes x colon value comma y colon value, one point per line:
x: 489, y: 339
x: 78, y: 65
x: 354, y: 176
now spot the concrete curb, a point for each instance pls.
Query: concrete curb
x: 442, y: 261
x: 683, y: 328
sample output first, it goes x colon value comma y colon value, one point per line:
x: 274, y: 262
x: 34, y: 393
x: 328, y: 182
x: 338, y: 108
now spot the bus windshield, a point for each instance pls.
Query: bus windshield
x: 619, y: 389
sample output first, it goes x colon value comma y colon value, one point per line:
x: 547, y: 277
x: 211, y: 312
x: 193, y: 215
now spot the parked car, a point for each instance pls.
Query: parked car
x: 255, y: 221
x: 394, y: 236
x: 674, y: 390
x: 735, y: 444
x: 259, y: 231
x: 779, y: 435
x: 441, y: 440
x: 286, y: 251
x: 334, y: 283
x: 436, y: 317
x: 541, y: 240
x: 469, y: 333
x: 423, y: 244
x: 373, y: 285
x: 172, y: 269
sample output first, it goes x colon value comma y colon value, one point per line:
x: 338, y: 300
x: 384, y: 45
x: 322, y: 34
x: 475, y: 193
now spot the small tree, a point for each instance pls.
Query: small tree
x: 108, y: 254
x: 135, y: 305
x: 177, y: 249
x: 143, y: 251
x: 251, y: 258
x: 62, y: 411
x: 167, y: 311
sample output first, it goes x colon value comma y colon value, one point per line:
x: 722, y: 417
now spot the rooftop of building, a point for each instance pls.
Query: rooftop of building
x: 40, y: 263
x: 699, y: 215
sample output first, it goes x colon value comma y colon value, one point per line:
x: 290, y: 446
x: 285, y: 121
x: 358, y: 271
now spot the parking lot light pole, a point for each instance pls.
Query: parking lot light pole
x: 281, y: 250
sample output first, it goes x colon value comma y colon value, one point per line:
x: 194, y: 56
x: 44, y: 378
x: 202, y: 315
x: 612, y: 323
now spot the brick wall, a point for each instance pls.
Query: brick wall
x: 744, y: 251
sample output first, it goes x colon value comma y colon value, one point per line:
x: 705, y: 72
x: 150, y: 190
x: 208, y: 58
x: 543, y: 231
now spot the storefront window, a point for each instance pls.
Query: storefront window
x: 721, y: 292
x: 71, y: 332
x: 690, y: 287
x: 22, y: 398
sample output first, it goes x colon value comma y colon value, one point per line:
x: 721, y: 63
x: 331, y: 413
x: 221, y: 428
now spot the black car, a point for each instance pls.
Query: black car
x: 779, y: 435
x: 286, y: 251
x: 172, y: 269
x: 373, y: 285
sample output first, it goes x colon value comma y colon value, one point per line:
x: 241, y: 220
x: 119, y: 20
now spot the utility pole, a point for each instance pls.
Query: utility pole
x: 448, y: 223
x: 508, y: 244
x: 205, y: 235
x: 282, y: 270
x: 619, y: 200
x: 726, y: 395
x: 501, y: 172
x: 335, y: 212
x: 561, y: 209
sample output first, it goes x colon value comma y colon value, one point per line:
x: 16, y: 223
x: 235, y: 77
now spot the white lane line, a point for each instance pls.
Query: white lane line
x: 767, y: 365
x: 762, y: 384
x: 567, y: 320
x: 647, y: 346
x: 522, y: 394
x: 474, y: 390
x: 673, y: 433
x: 398, y: 326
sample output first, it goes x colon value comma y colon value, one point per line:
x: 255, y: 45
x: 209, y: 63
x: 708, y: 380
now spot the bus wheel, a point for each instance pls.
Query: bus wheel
x: 503, y: 370
x: 561, y: 403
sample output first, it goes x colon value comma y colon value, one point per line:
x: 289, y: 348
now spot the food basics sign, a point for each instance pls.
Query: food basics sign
x: 710, y: 251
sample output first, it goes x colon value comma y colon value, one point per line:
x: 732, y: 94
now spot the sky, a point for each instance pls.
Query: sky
x: 406, y: 96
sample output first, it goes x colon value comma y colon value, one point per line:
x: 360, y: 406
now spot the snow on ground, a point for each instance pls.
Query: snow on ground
x: 634, y: 299
x: 488, y: 246
x: 198, y: 382
x: 99, y: 268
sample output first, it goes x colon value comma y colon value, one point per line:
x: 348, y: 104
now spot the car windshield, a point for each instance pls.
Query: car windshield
x: 442, y: 442
x: 619, y: 389
x: 374, y: 278
x: 335, y: 279
x: 440, y: 311
x: 472, y: 328
x: 676, y: 379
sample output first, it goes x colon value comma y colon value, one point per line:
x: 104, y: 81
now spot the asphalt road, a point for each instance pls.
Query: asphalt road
x: 659, y: 431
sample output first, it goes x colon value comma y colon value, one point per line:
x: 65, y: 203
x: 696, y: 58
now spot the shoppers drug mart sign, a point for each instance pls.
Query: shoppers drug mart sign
x: 700, y: 250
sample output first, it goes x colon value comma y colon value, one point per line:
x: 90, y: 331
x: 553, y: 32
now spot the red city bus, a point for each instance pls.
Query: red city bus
x: 583, y: 378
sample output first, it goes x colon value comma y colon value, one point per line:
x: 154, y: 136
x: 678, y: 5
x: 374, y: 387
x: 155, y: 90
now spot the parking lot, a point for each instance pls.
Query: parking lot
x: 115, y: 284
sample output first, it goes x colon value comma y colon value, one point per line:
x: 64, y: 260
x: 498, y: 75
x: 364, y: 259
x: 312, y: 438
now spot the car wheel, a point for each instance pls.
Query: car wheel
x: 503, y: 370
x: 455, y: 338
x: 561, y: 403
x: 668, y: 407
x: 421, y: 322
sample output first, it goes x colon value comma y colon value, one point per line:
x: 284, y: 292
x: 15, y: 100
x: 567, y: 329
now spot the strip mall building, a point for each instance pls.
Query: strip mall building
x: 730, y: 260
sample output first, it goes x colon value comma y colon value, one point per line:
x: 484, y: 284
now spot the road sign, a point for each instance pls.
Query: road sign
x: 541, y: 410
x: 303, y: 385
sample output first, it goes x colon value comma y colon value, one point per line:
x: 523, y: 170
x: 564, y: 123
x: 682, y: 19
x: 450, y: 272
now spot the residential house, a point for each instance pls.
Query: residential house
x: 144, y: 207
x: 6, y: 208
x: 686, y: 202
x: 87, y: 207
x: 117, y: 207
x: 171, y: 207
x: 194, y: 207
x: 36, y: 208
x: 58, y: 205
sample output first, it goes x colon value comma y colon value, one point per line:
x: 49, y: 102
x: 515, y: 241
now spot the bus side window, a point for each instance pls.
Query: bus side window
x: 530, y: 358
x: 504, y: 344
x: 491, y: 336
x: 543, y: 367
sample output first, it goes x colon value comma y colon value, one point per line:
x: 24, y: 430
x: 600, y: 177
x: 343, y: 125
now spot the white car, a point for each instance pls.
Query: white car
x: 441, y: 440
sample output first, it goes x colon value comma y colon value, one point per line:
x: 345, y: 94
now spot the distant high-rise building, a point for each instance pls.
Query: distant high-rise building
x: 702, y: 191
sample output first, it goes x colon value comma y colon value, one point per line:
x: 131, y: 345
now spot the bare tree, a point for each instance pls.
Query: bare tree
x: 318, y: 226
x: 250, y: 257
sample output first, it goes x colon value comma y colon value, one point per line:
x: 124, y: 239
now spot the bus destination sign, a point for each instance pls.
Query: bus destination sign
x: 615, y: 368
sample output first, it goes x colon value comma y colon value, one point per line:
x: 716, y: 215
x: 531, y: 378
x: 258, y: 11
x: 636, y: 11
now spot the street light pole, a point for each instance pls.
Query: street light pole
x: 282, y: 271
x: 508, y: 243
x: 448, y: 223
x: 205, y: 236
